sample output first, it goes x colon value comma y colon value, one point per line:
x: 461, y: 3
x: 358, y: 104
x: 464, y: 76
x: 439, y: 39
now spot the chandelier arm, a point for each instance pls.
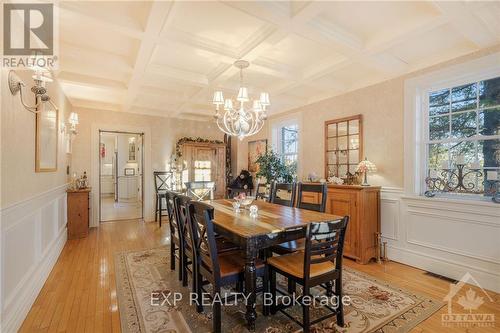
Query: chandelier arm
x: 226, y: 124
x: 255, y: 123
x: 221, y: 128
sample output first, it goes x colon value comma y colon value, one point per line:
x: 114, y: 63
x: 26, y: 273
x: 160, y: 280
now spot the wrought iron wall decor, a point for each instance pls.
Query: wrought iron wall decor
x: 457, y: 180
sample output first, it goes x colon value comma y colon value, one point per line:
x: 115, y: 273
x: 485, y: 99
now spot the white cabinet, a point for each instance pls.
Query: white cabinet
x: 107, y: 185
x: 127, y: 187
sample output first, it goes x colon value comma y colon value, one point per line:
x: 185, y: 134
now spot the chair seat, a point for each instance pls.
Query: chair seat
x: 293, y: 264
x: 290, y: 247
x: 233, y: 263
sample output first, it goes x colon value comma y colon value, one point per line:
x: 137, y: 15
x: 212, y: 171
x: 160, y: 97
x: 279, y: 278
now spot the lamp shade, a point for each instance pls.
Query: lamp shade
x: 366, y: 166
x: 257, y: 107
x: 264, y: 99
x: 218, y: 98
x: 73, y: 118
x: 243, y: 95
x: 228, y: 105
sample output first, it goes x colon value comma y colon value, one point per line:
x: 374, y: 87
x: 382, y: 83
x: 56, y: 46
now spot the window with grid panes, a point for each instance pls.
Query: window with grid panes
x: 465, y: 121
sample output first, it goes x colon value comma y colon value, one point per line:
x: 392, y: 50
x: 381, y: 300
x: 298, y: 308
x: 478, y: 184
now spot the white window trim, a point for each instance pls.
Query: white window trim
x: 415, y: 95
x: 274, y: 134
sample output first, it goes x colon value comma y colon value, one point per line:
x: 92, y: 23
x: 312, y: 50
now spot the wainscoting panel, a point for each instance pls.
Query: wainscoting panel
x: 33, y: 234
x: 443, y: 236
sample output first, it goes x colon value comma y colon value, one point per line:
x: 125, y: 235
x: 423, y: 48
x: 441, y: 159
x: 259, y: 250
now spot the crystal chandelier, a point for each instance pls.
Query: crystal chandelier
x: 242, y: 121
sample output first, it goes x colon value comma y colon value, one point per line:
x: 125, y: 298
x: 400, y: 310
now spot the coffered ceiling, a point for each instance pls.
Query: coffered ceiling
x: 166, y: 58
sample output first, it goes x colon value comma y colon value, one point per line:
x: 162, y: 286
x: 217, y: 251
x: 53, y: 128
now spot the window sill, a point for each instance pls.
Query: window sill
x: 484, y: 202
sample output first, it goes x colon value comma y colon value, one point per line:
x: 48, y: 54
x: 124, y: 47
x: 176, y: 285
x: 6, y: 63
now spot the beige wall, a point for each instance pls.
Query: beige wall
x: 160, y: 137
x: 164, y: 134
x: 382, y: 108
x: 19, y: 181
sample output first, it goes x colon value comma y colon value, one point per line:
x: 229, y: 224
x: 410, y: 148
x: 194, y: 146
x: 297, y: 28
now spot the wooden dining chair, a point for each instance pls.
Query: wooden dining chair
x: 260, y: 192
x: 277, y: 196
x: 186, y: 250
x: 162, y: 182
x: 319, y: 190
x: 213, y: 267
x: 175, y: 243
x: 319, y: 265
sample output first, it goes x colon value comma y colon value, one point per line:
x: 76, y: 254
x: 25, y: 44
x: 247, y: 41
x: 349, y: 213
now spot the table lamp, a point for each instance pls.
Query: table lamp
x: 366, y: 166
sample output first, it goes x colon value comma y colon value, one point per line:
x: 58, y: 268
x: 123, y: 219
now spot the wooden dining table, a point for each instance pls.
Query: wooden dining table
x: 273, y: 225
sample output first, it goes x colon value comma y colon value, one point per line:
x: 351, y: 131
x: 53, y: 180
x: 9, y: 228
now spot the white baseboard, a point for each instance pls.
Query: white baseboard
x: 439, y: 265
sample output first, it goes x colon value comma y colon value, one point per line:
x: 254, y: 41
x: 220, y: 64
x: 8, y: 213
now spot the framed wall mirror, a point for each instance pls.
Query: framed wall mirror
x: 343, y: 145
x: 46, y: 140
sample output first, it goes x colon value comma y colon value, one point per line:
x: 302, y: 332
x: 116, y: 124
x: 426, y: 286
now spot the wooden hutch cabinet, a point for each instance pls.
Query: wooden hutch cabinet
x: 362, y: 205
x: 206, y: 162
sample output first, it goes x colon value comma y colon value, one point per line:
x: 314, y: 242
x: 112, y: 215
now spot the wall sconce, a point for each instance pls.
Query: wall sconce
x: 17, y: 85
x: 73, y: 121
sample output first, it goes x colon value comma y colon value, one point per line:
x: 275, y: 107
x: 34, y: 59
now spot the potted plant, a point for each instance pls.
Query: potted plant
x: 272, y: 168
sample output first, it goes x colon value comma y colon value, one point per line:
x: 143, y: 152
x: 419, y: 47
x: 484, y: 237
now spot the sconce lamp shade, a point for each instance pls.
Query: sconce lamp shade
x: 243, y: 95
x: 73, y: 118
x: 218, y: 98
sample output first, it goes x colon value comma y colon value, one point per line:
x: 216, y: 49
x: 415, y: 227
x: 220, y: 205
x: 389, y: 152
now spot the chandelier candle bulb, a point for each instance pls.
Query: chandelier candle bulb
x: 460, y: 159
x: 433, y: 173
x: 444, y: 164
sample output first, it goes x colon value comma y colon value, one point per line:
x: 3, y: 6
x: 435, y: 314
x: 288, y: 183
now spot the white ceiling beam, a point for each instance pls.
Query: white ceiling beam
x: 90, y: 81
x: 181, y: 75
x: 94, y: 105
x: 94, y: 57
x: 156, y: 20
x: 467, y: 23
x: 70, y: 10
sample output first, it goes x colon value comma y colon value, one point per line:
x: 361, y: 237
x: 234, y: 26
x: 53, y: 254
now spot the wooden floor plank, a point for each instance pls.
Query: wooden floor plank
x: 80, y: 293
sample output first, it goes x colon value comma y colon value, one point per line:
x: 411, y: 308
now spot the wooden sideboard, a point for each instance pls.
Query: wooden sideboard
x: 78, y: 213
x: 362, y: 205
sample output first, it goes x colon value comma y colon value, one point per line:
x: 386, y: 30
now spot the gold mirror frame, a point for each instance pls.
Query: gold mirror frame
x: 336, y: 151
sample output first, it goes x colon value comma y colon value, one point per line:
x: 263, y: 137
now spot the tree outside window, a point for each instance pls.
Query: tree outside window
x: 465, y: 121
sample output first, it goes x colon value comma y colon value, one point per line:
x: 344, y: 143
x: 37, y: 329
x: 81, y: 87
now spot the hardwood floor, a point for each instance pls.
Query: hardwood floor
x: 80, y: 293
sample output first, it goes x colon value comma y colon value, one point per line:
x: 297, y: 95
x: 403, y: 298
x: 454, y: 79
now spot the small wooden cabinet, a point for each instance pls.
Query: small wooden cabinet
x: 362, y: 205
x: 78, y: 213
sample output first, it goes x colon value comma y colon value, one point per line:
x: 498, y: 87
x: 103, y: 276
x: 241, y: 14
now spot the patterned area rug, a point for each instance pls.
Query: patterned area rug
x: 145, y: 287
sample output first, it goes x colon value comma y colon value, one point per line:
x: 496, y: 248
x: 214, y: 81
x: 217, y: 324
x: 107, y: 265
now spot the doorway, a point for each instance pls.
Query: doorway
x: 121, y: 182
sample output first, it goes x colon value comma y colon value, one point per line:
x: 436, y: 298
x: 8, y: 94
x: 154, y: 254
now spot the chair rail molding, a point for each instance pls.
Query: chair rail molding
x: 33, y: 234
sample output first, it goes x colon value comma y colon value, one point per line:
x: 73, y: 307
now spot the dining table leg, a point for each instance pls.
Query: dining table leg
x: 250, y: 288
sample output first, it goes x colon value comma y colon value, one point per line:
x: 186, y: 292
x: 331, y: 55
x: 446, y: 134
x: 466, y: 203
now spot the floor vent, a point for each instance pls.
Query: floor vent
x: 442, y: 277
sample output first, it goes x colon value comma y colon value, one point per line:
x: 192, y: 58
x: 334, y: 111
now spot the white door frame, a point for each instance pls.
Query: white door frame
x: 94, y: 160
